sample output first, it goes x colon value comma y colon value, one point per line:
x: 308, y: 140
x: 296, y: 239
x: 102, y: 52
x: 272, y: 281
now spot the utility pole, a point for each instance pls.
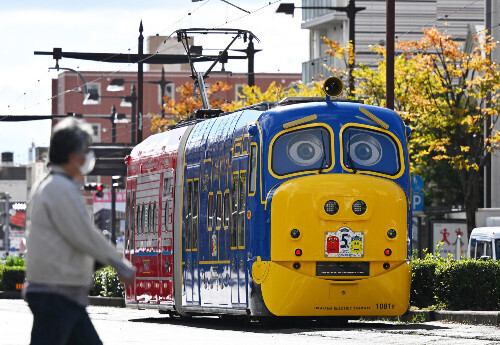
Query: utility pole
x: 389, y: 53
x: 350, y: 10
x: 140, y: 84
x: 6, y: 227
x: 487, y: 131
x: 251, y: 56
x: 113, y: 124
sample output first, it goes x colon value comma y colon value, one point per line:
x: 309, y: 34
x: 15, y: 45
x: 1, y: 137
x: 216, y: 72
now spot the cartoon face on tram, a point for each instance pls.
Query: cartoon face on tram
x: 299, y: 208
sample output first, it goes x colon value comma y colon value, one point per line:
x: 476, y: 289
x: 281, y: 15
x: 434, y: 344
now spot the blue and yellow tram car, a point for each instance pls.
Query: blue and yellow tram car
x: 299, y: 208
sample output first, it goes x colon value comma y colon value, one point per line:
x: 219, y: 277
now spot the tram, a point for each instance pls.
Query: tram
x: 294, y: 208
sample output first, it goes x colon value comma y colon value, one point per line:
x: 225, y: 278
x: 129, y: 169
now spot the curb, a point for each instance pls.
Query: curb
x: 473, y: 317
x: 10, y: 295
x: 98, y: 301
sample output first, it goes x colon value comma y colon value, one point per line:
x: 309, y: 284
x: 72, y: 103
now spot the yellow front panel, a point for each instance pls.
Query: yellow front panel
x: 306, y: 290
x: 287, y: 293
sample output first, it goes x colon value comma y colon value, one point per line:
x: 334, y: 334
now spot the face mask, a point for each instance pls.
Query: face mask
x: 88, y: 164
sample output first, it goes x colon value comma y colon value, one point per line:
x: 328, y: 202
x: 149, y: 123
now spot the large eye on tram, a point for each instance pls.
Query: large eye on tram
x: 370, y: 150
x: 304, y: 149
x: 301, y: 150
x: 365, y: 149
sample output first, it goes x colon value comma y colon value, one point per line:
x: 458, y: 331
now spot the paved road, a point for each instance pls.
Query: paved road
x: 130, y: 326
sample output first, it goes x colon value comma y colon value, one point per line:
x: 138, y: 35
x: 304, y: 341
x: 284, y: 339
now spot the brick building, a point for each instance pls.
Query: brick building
x: 97, y: 82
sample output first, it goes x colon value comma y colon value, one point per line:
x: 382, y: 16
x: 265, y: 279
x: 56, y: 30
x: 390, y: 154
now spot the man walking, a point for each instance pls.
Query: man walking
x: 63, y: 244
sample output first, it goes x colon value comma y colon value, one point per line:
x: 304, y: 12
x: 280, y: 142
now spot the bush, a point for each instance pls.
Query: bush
x: 11, y: 276
x: 455, y: 285
x: 15, y: 261
x: 423, y: 282
x: 107, y: 284
x: 468, y: 284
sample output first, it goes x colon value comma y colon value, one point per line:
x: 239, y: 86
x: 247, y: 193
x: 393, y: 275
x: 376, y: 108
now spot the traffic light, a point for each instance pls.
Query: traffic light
x: 117, y: 182
x: 98, y: 187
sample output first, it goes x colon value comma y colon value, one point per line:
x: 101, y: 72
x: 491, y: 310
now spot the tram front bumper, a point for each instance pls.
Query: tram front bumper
x: 288, y: 293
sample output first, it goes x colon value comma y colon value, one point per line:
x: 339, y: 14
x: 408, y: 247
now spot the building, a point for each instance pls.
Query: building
x: 450, y: 16
x: 99, y: 113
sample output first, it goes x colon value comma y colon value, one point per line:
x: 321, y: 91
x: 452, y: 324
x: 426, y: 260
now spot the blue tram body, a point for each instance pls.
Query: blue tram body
x: 264, y: 203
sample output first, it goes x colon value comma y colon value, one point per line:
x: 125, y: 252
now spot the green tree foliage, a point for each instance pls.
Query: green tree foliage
x: 441, y: 91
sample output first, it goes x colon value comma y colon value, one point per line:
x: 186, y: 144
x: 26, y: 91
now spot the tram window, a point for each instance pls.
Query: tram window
x: 138, y: 216
x: 153, y: 218
x: 149, y: 218
x: 234, y: 213
x: 210, y: 211
x: 167, y: 215
x: 242, y: 204
x: 195, y: 214
x: 245, y: 145
x: 227, y: 206
x: 166, y: 186
x: 143, y: 215
x: 370, y: 150
x: 189, y: 219
x: 145, y: 222
x: 301, y: 150
x: 253, y: 170
x: 218, y: 211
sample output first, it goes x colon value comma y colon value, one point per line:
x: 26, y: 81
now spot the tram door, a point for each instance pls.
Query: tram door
x: 166, y: 237
x: 190, y: 235
x: 130, y: 231
x: 237, y: 253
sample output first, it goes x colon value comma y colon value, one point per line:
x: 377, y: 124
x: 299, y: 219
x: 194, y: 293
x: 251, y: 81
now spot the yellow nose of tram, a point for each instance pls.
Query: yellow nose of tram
x: 338, y: 247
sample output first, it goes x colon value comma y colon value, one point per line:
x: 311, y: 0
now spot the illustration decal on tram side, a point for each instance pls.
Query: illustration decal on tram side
x: 344, y: 243
x: 214, y: 244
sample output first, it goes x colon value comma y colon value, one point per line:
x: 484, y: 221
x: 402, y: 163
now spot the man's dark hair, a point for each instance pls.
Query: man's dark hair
x: 69, y: 136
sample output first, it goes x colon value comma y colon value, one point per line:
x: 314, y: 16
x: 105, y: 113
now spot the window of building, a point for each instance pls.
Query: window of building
x: 95, y: 89
x: 169, y: 91
x: 238, y: 92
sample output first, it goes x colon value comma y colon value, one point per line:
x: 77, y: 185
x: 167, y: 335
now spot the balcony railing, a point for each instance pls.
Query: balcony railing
x: 315, y: 70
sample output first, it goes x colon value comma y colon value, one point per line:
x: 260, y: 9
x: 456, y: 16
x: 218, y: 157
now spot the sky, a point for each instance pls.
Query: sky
x: 111, y: 26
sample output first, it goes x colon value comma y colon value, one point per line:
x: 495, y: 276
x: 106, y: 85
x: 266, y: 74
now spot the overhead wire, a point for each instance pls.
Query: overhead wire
x: 111, y: 73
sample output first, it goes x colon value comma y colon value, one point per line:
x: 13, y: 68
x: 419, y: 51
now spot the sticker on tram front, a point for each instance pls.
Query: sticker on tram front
x: 344, y: 243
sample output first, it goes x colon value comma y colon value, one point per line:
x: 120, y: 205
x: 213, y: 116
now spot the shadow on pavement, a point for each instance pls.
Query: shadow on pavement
x: 285, y: 325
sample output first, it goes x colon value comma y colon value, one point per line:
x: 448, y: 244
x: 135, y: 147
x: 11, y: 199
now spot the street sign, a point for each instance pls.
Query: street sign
x: 417, y: 183
x: 417, y: 202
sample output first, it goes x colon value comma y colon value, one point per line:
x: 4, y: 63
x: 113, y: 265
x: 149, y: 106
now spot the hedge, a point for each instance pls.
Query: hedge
x: 11, y: 277
x: 455, y: 285
x: 436, y: 283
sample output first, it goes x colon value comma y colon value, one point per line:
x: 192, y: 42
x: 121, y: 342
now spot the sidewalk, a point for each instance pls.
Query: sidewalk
x: 473, y: 317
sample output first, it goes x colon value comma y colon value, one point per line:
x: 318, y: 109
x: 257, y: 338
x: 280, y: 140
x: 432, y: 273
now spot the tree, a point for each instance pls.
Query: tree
x: 187, y: 104
x: 250, y: 95
x: 442, y: 92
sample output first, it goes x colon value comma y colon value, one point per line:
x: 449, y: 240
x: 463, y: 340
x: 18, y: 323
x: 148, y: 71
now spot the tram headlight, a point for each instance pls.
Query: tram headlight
x: 392, y: 233
x: 295, y: 233
x: 359, y: 207
x: 331, y: 207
